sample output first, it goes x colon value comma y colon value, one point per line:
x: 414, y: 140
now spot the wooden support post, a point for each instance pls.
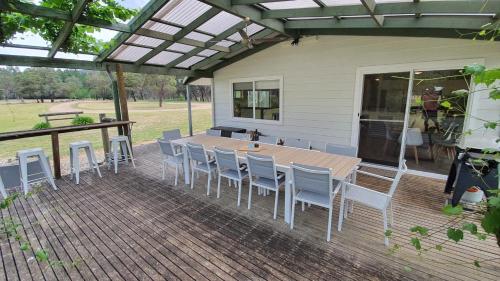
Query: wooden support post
x: 116, y: 99
x: 55, y: 155
x: 190, y: 116
x: 105, y: 135
x: 122, y: 94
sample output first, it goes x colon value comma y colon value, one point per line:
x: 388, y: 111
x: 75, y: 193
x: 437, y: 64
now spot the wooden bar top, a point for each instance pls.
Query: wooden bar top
x: 63, y: 129
x: 341, y: 165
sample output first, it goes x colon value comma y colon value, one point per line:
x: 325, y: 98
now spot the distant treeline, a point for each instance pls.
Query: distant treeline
x: 42, y: 84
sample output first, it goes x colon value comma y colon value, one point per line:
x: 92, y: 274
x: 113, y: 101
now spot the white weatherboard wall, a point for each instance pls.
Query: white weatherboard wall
x: 319, y: 78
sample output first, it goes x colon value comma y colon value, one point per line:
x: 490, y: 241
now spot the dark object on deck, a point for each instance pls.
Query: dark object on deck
x: 47, y: 115
x: 227, y: 131
x: 463, y: 175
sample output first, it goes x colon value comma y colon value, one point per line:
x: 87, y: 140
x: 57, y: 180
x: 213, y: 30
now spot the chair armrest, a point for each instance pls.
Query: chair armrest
x: 375, y: 175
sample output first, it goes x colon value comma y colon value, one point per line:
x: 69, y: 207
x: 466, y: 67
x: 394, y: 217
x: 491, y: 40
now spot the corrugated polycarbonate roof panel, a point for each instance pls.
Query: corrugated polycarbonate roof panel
x: 190, y: 61
x: 129, y: 53
x: 341, y: 2
x: 225, y: 43
x: 250, y: 30
x: 144, y: 41
x: 296, y: 4
x: 199, y: 36
x: 219, y: 23
x: 182, y: 12
x: 207, y: 53
x: 160, y: 27
x: 180, y: 47
x: 163, y: 58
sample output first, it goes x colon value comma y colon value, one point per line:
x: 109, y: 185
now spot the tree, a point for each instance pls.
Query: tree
x: 99, y: 85
x: 81, y: 39
x: 134, y: 85
x: 162, y: 86
x: 29, y: 84
x: 8, y: 86
x: 51, y: 83
x: 70, y: 87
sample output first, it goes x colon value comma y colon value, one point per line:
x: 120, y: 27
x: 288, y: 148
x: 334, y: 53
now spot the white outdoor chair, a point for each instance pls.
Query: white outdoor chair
x: 268, y: 139
x: 262, y: 174
x: 344, y: 150
x: 413, y: 139
x: 10, y: 175
x: 298, y: 143
x: 371, y: 198
x: 314, y: 185
x: 174, y: 134
x: 215, y: 133
x: 240, y: 136
x: 228, y: 166
x: 24, y: 157
x: 200, y: 163
x: 116, y: 155
x: 171, y: 157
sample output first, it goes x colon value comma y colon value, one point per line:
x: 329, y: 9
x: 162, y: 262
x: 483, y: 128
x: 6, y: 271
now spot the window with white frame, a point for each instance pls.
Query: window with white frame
x: 257, y: 99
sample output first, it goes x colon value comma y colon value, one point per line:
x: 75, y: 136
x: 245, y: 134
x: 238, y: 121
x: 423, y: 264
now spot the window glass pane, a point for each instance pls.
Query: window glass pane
x: 243, y: 99
x: 267, y: 100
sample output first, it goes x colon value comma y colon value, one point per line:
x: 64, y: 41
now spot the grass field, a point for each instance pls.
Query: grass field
x: 150, y: 123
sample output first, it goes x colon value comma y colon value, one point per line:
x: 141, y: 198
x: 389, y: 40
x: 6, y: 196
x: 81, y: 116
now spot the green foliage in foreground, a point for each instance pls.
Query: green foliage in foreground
x: 42, y: 125
x: 82, y: 120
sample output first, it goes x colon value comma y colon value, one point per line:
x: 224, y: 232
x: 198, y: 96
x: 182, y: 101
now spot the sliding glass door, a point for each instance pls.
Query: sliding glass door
x: 382, y: 117
x: 434, y: 116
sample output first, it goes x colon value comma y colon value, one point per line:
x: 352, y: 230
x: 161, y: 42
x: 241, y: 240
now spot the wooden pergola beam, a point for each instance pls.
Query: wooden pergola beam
x: 209, y: 44
x: 370, y: 7
x: 181, y: 34
x: 428, y: 7
x: 428, y: 22
x: 68, y: 27
x: 92, y: 65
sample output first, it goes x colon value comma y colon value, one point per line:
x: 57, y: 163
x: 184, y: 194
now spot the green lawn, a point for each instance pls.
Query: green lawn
x: 149, y: 125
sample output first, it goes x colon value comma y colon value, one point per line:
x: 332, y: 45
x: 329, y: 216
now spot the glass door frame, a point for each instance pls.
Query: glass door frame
x: 408, y: 67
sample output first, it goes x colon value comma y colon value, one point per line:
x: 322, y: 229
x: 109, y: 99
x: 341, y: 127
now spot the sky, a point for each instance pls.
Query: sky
x: 35, y: 40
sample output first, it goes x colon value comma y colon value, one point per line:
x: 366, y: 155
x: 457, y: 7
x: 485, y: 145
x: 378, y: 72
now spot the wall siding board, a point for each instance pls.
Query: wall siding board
x: 319, y: 78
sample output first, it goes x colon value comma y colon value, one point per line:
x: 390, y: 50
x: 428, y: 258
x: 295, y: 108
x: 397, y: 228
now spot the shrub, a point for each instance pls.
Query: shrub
x: 82, y: 120
x: 42, y: 125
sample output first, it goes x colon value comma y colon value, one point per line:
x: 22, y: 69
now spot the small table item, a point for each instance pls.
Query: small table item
x: 251, y: 149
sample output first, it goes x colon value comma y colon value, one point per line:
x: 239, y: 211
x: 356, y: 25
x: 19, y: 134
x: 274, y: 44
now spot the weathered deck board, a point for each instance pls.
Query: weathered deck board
x: 134, y: 226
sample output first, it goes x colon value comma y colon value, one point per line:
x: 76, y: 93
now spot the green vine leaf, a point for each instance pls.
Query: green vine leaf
x: 476, y: 263
x: 446, y: 104
x: 25, y: 246
x: 471, y: 227
x: 388, y: 233
x: 461, y: 92
x: 41, y: 255
x: 491, y: 221
x: 407, y: 268
x: 453, y: 211
x: 490, y: 125
x: 455, y: 234
x: 494, y: 202
x: 423, y: 231
x: 474, y: 69
x: 439, y: 247
x: 495, y: 94
x: 487, y: 77
x: 416, y: 243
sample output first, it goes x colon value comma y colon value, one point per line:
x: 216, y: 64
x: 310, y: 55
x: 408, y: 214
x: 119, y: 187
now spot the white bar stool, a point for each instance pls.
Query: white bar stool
x: 23, y: 156
x: 117, y: 142
x: 74, y: 154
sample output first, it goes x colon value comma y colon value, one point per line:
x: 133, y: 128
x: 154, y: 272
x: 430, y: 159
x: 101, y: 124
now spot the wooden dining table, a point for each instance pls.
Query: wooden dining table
x: 342, y: 166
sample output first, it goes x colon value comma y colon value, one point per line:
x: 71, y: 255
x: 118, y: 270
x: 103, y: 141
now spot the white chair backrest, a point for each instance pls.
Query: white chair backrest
x: 312, y: 179
x: 261, y: 166
x: 167, y: 148
x: 215, y: 133
x: 226, y: 160
x: 240, y: 136
x: 174, y: 134
x: 299, y: 143
x: 341, y: 149
x: 268, y: 139
x: 197, y: 153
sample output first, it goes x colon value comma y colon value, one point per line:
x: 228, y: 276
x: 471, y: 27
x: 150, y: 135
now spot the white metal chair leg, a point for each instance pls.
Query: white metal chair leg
x: 229, y: 182
x: 23, y: 164
x: 71, y: 164
x: 89, y: 159
x: 76, y: 167
x: 341, y: 212
x: 276, y: 204
x: 218, y: 186
x: 192, y: 178
x: 163, y: 170
x: 386, y: 239
x: 46, y: 169
x: 329, y: 233
x: 209, y: 181
x: 293, y: 213
x: 303, y: 206
x: 115, y: 156
x: 2, y: 190
x: 94, y: 161
x: 391, y: 215
x: 176, y: 174
x: 239, y: 193
x: 250, y: 195
x: 130, y: 151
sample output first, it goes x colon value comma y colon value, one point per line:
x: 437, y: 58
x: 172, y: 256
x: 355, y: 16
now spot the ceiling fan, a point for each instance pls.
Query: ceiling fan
x: 249, y: 42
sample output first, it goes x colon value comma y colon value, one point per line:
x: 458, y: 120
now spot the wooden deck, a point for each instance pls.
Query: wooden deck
x: 134, y: 226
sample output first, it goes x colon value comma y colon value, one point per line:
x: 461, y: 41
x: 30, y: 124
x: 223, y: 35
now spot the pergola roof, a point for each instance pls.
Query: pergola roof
x: 194, y: 38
